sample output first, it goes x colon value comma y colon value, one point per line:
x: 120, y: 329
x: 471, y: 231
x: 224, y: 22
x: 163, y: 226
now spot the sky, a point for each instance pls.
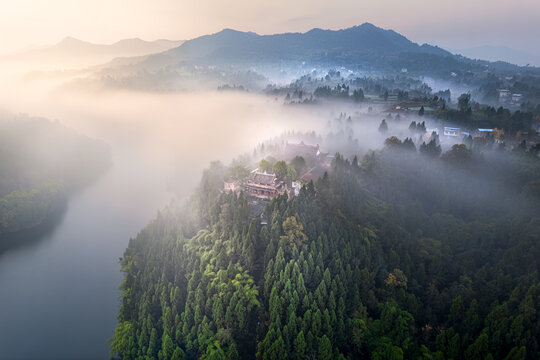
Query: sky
x: 457, y: 24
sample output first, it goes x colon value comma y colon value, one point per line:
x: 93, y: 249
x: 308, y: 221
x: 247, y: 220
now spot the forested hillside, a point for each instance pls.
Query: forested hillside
x: 41, y: 162
x: 402, y: 255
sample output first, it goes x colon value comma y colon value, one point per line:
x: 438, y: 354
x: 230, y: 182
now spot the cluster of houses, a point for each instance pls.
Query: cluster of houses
x: 263, y: 186
x: 506, y: 97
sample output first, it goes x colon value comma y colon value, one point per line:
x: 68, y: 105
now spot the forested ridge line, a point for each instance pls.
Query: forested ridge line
x: 398, y: 256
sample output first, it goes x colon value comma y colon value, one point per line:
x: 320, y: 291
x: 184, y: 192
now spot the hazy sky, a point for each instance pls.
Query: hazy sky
x: 449, y: 23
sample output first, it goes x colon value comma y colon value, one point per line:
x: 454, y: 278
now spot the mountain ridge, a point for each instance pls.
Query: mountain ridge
x: 361, y: 37
x: 73, y: 52
x: 361, y: 47
x: 226, y: 56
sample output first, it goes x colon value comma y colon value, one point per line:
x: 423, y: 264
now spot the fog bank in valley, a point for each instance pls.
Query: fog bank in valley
x: 176, y: 135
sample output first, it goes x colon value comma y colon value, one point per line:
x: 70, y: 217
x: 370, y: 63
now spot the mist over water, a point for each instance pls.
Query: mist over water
x: 67, y: 280
x: 59, y: 287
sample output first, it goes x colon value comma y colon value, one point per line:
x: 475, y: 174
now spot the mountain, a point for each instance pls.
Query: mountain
x: 250, y: 60
x: 359, y: 45
x: 74, y: 53
x: 364, y: 38
x: 500, y: 53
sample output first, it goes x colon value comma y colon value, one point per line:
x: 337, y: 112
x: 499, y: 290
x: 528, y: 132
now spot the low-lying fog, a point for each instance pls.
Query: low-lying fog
x: 65, y: 281
x: 182, y: 131
x: 160, y: 143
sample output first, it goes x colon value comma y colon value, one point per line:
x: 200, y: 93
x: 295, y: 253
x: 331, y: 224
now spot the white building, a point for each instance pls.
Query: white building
x: 451, y: 131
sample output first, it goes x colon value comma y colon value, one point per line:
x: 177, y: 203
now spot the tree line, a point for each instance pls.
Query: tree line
x: 395, y: 256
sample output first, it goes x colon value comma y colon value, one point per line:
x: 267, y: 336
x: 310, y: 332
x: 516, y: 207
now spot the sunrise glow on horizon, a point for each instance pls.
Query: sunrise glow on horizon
x: 456, y: 24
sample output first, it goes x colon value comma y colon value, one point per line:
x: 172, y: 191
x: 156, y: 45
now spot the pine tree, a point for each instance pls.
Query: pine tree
x: 300, y: 346
x: 167, y: 347
x: 324, y: 351
x: 383, y: 127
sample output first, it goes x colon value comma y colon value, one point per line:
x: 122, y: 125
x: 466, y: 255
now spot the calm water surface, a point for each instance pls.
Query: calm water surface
x: 59, y: 294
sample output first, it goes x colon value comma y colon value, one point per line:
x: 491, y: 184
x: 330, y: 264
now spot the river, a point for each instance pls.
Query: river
x: 59, y: 293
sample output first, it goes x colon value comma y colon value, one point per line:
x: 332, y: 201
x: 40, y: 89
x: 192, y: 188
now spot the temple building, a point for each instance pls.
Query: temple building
x: 264, y: 186
x: 259, y: 185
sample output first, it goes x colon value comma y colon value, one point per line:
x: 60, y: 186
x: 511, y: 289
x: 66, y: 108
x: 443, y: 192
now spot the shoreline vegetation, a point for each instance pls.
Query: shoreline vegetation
x: 42, y: 164
x: 32, y: 235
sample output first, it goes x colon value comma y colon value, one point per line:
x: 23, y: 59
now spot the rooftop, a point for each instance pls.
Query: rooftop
x: 263, y: 178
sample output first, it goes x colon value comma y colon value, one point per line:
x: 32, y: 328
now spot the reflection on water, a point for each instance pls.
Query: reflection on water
x: 30, y: 237
x: 58, y: 293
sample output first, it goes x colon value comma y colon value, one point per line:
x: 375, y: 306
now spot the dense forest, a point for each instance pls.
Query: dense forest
x: 403, y: 254
x: 41, y: 162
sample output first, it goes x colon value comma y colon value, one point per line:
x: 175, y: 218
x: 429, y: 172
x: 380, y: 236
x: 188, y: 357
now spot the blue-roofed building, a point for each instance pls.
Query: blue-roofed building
x: 483, y: 132
x: 517, y: 99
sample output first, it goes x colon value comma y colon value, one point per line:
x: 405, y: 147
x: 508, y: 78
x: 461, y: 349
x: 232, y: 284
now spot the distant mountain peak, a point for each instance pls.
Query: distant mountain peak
x: 134, y: 40
x: 226, y: 30
x: 364, y: 41
x: 69, y: 40
x: 229, y: 31
x: 364, y: 26
x: 74, y: 53
x: 367, y: 25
